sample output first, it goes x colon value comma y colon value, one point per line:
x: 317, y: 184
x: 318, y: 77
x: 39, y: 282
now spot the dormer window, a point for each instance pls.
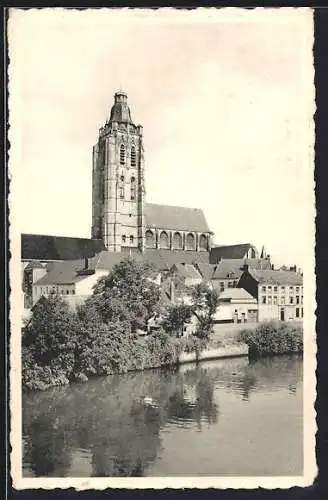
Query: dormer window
x: 133, y: 157
x: 122, y: 154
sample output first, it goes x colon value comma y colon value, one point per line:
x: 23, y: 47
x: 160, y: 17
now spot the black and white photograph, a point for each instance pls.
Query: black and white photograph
x: 161, y: 213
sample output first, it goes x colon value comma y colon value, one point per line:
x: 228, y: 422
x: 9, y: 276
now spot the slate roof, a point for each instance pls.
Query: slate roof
x: 229, y: 252
x: 236, y: 294
x: 206, y: 270
x: 44, y: 247
x: 188, y: 271
x: 276, y: 277
x: 234, y: 267
x: 170, y: 217
x: 66, y: 272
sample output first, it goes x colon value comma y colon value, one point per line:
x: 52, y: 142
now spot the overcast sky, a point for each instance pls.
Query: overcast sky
x: 225, y: 101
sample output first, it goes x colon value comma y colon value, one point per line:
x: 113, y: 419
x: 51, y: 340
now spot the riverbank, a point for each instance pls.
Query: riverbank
x: 273, y: 338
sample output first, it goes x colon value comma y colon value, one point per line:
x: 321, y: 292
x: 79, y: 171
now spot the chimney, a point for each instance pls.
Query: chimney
x: 86, y: 263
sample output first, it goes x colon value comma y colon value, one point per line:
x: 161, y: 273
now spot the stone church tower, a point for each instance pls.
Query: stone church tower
x: 118, y: 187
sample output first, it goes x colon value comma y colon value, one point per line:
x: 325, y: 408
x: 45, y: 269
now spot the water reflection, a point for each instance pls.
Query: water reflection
x: 118, y: 422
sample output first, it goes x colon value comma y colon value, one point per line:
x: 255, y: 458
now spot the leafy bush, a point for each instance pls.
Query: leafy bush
x: 270, y: 338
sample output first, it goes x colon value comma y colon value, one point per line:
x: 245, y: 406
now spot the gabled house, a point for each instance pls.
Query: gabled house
x: 227, y: 272
x: 279, y: 293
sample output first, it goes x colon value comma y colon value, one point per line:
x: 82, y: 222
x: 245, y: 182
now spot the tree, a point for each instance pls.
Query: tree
x: 204, y: 305
x: 51, y: 332
x: 177, y: 316
x: 127, y: 294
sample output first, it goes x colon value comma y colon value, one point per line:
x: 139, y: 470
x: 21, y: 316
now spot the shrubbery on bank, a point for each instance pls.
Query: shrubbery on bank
x: 271, y: 338
x: 60, y: 346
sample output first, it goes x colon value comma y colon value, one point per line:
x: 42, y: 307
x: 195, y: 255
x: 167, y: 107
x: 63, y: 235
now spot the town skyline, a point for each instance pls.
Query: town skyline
x: 206, y: 144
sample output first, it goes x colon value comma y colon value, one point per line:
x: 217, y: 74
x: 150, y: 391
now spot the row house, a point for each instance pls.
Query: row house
x: 279, y: 293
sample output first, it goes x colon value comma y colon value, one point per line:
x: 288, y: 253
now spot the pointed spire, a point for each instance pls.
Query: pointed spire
x: 263, y: 253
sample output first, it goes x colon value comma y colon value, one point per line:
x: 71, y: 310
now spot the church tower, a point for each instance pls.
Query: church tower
x: 118, y: 187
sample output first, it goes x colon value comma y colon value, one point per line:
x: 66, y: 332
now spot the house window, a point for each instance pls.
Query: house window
x: 229, y: 284
x: 263, y: 288
x: 297, y: 299
x: 301, y: 299
x: 73, y: 291
x: 275, y: 289
x: 264, y: 300
x: 269, y: 299
x: 291, y: 300
x: 133, y: 188
x: 291, y: 289
x: 275, y: 299
x: 133, y: 157
x: 235, y: 284
x: 122, y: 154
x: 122, y: 186
x: 67, y: 292
x: 131, y: 239
x: 221, y: 286
x: 62, y: 291
x: 269, y: 288
x: 282, y: 299
x: 297, y: 312
x: 282, y: 288
x: 297, y: 289
x: 123, y: 238
x: 302, y: 312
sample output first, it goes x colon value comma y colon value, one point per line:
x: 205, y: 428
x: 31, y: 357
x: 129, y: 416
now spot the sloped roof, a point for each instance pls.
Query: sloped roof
x: 165, y: 259
x: 188, y: 271
x: 232, y: 268
x: 170, y: 217
x: 206, y: 270
x: 229, y: 252
x: 62, y: 273
x: 66, y: 271
x: 236, y: 294
x: 276, y: 277
x: 46, y: 247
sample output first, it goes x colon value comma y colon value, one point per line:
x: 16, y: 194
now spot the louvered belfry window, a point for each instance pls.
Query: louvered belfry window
x: 133, y: 157
x: 122, y: 154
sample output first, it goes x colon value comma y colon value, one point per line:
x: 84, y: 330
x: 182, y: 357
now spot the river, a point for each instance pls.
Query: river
x: 227, y: 417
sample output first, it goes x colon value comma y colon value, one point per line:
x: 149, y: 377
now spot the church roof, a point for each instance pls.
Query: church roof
x: 229, y: 252
x: 171, y: 217
x: 46, y: 247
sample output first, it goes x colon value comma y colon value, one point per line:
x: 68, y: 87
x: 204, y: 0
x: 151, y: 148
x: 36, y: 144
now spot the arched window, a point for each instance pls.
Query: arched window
x: 131, y: 239
x: 123, y: 238
x: 203, y: 242
x: 122, y: 186
x: 177, y: 240
x: 133, y: 188
x: 190, y: 241
x: 133, y: 157
x: 164, y: 240
x: 150, y: 240
x: 122, y: 154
